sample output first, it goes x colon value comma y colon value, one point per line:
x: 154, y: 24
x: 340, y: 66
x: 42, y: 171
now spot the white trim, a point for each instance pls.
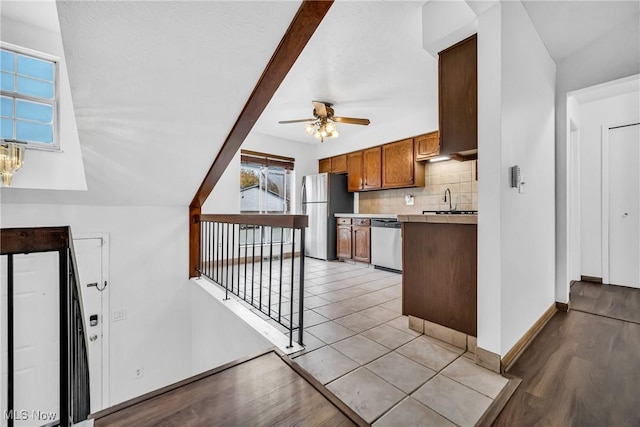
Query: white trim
x: 605, y: 204
x: 32, y: 52
x: 269, y: 332
x: 106, y: 313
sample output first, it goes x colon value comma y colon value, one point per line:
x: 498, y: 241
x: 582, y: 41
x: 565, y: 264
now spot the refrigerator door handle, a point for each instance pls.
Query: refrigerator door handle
x: 303, y: 196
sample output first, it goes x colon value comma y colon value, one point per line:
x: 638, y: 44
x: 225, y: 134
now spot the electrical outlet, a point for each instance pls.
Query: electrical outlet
x: 408, y: 198
x: 119, y: 315
x: 138, y: 372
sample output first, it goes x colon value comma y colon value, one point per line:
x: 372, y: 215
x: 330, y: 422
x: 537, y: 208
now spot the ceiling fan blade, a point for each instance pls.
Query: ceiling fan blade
x: 320, y: 107
x: 352, y: 121
x: 284, y: 122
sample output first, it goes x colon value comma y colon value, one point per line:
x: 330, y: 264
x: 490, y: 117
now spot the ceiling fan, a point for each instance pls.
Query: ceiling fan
x: 323, y: 123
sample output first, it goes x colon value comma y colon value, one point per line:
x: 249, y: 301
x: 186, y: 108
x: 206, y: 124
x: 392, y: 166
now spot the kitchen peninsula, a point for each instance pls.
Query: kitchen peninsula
x: 439, y: 281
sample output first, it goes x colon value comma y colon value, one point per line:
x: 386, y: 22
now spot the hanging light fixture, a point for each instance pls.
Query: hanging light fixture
x: 11, y: 159
x: 322, y: 128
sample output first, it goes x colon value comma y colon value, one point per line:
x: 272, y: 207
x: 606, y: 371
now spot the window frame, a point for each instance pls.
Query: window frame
x: 266, y: 161
x: 54, y: 102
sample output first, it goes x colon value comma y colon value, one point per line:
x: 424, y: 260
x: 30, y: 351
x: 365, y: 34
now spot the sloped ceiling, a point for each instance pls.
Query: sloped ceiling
x: 367, y: 59
x: 156, y: 88
x: 567, y: 26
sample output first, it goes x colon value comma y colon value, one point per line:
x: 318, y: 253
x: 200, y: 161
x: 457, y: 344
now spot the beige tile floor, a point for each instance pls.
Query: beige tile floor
x: 359, y: 345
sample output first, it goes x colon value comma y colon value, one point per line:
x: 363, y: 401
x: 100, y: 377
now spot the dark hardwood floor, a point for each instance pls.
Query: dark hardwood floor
x: 583, y: 369
x: 618, y: 302
x: 263, y: 391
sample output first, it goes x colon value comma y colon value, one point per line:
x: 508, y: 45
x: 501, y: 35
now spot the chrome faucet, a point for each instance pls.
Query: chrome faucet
x: 445, y: 198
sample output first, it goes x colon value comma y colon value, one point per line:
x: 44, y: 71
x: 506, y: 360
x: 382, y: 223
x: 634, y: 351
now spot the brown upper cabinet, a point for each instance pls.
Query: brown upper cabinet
x: 458, y: 99
x: 324, y: 165
x: 399, y: 168
x: 339, y: 164
x: 354, y: 166
x: 427, y: 145
x: 335, y: 164
x: 372, y: 168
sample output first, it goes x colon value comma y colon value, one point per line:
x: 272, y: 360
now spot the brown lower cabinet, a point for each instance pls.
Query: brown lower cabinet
x: 354, y: 239
x: 439, y: 283
x: 344, y: 238
x: 361, y: 237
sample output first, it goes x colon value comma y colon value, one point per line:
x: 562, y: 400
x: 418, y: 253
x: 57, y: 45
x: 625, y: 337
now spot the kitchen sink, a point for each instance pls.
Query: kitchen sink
x: 452, y: 212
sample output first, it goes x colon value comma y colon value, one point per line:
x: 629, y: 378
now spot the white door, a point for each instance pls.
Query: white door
x: 36, y: 338
x: 624, y: 206
x: 89, y: 256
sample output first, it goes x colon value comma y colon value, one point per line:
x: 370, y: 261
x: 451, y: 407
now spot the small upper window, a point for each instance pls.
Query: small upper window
x: 28, y: 95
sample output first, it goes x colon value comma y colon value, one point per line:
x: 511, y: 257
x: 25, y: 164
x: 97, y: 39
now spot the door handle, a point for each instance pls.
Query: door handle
x: 303, y: 192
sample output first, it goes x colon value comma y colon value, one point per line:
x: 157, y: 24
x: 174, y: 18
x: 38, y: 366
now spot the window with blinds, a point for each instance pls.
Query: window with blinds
x: 266, y: 183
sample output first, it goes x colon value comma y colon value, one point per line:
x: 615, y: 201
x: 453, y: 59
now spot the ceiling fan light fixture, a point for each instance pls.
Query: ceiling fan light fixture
x: 324, y: 124
x: 330, y: 127
x: 310, y: 128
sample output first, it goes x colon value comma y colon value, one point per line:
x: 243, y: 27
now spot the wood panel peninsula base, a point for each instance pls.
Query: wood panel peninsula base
x: 439, y: 277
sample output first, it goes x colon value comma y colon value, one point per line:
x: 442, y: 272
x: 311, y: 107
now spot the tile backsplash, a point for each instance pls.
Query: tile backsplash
x: 458, y: 177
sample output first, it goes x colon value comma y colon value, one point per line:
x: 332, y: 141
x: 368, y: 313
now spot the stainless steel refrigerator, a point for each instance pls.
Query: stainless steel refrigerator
x: 323, y: 195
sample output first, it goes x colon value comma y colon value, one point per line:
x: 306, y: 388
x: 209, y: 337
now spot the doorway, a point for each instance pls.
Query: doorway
x: 92, y: 263
x: 621, y: 205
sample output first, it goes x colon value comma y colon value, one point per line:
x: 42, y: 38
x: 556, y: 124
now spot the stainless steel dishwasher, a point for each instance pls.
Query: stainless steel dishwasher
x: 386, y: 244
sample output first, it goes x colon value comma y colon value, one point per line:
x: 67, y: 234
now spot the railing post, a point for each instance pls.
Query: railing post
x: 301, y: 280
x: 194, y: 238
x: 293, y: 263
x: 280, y: 281
x: 270, y: 265
x: 226, y: 271
x: 64, y: 337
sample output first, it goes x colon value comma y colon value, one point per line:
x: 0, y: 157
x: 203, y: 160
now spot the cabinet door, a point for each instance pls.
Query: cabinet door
x: 398, y: 164
x: 427, y: 145
x: 339, y: 164
x: 354, y: 167
x: 344, y: 241
x: 324, y: 165
x: 372, y: 168
x: 362, y: 244
x: 458, y: 97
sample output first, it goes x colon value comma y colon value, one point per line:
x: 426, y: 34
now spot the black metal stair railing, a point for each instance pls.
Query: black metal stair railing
x: 74, y: 397
x: 245, y: 254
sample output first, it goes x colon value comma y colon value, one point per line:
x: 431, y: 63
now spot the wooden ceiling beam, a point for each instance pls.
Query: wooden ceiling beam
x: 308, y: 17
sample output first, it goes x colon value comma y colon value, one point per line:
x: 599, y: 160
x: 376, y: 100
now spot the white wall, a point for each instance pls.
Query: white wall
x: 490, y: 174
x: 528, y: 232
x: 44, y: 169
x: 613, y: 56
x: 613, y: 111
x: 574, y: 207
x: 225, y: 197
x: 516, y: 81
x: 218, y: 336
x: 148, y: 274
